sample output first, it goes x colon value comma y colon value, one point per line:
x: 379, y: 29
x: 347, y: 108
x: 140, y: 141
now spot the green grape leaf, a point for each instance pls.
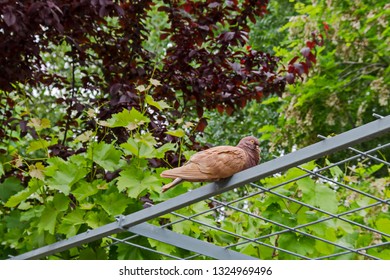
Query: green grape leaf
x: 130, y: 119
x: 37, y: 171
x: 63, y: 174
x: 37, y: 145
x: 160, y: 105
x: 39, y: 124
x: 177, y: 133
x: 131, y: 146
x: 160, y: 152
x: 96, y: 253
x: 60, y: 202
x: 136, y: 181
x: 14, y: 200
x: 86, y: 189
x: 48, y: 219
x: 161, y: 246
x: 383, y: 225
x: 318, y: 195
x: 141, y: 146
x: 97, y: 219
x: 76, y: 217
x: 113, y: 203
x: 105, y: 155
x: 9, y: 187
x: 1, y: 170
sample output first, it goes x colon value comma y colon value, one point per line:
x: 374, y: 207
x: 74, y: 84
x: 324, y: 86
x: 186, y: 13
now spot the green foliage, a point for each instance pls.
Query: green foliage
x: 351, y: 80
x: 85, y: 190
x: 45, y: 198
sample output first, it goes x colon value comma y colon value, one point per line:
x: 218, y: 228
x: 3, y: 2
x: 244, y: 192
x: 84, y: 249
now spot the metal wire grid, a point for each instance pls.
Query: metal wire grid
x: 222, y: 206
x: 299, y: 229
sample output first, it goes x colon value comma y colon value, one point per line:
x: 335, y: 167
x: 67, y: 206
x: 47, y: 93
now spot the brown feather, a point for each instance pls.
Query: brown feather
x: 216, y: 163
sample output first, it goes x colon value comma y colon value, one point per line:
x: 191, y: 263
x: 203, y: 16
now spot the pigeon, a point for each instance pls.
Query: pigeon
x: 216, y: 163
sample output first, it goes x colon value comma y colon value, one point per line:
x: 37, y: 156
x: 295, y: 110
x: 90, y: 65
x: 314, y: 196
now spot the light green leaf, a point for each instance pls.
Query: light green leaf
x: 97, y: 219
x: 36, y: 171
x: 318, y: 195
x: 37, y: 145
x: 95, y: 253
x: 188, y: 154
x: 271, y: 100
x: 60, y: 202
x: 324, y: 248
x: 131, y: 146
x: 347, y: 227
x: 86, y: 189
x: 39, y: 124
x: 139, y: 149
x: 335, y: 170
x: 141, y: 146
x: 161, y: 246
x: 155, y: 82
x: 48, y: 219
x: 9, y: 187
x: 63, y: 174
x: 84, y: 137
x: 105, y: 155
x: 129, y: 119
x: 177, y: 133
x: 147, y: 138
x: 14, y: 200
x: 383, y: 225
x: 146, y: 151
x: 114, y: 203
x: 141, y: 88
x: 373, y: 168
x: 76, y: 217
x: 136, y: 181
x: 160, y: 105
x: 1, y: 170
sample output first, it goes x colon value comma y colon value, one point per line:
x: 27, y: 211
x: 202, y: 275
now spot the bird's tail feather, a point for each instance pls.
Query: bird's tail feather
x: 171, y: 184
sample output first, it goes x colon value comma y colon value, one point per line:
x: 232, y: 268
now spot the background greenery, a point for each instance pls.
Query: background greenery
x: 45, y: 198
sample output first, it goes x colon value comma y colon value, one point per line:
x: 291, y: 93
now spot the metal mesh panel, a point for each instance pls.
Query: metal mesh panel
x: 321, y: 202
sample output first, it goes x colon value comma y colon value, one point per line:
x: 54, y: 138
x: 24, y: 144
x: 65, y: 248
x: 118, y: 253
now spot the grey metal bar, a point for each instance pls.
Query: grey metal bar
x: 74, y: 241
x: 242, y: 237
x: 279, y: 185
x: 117, y: 240
x: 346, y: 253
x: 187, y: 242
x: 327, y: 146
x: 311, y: 152
x: 294, y: 229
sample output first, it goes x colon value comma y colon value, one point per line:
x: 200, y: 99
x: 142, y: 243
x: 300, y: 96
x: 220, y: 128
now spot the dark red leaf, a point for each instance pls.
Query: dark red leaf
x: 220, y: 108
x: 229, y: 110
x: 9, y: 18
x: 310, y: 44
x: 290, y: 78
x: 326, y: 26
x: 201, y: 125
x: 292, y: 61
x: 305, y: 52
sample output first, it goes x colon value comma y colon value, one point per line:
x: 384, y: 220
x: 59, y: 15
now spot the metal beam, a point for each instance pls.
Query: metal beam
x: 187, y: 242
x: 327, y: 146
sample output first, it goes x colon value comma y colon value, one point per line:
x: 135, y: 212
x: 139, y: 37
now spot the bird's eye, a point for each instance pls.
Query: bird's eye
x: 253, y: 141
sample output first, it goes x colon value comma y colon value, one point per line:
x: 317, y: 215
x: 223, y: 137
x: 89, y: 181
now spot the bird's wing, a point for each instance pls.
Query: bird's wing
x: 210, y: 165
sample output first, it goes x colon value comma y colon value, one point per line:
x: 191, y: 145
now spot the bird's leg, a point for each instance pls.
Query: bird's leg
x: 171, y: 184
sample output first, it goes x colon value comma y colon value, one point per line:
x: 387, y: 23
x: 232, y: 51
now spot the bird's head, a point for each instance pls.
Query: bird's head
x: 251, y: 143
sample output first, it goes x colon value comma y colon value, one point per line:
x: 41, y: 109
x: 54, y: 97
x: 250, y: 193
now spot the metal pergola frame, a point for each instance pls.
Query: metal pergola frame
x: 137, y: 223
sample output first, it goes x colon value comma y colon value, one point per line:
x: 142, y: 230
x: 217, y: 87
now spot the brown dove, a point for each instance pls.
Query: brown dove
x: 216, y: 163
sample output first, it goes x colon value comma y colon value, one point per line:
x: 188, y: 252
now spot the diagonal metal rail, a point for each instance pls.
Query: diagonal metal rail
x: 187, y: 242
x: 315, y: 151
